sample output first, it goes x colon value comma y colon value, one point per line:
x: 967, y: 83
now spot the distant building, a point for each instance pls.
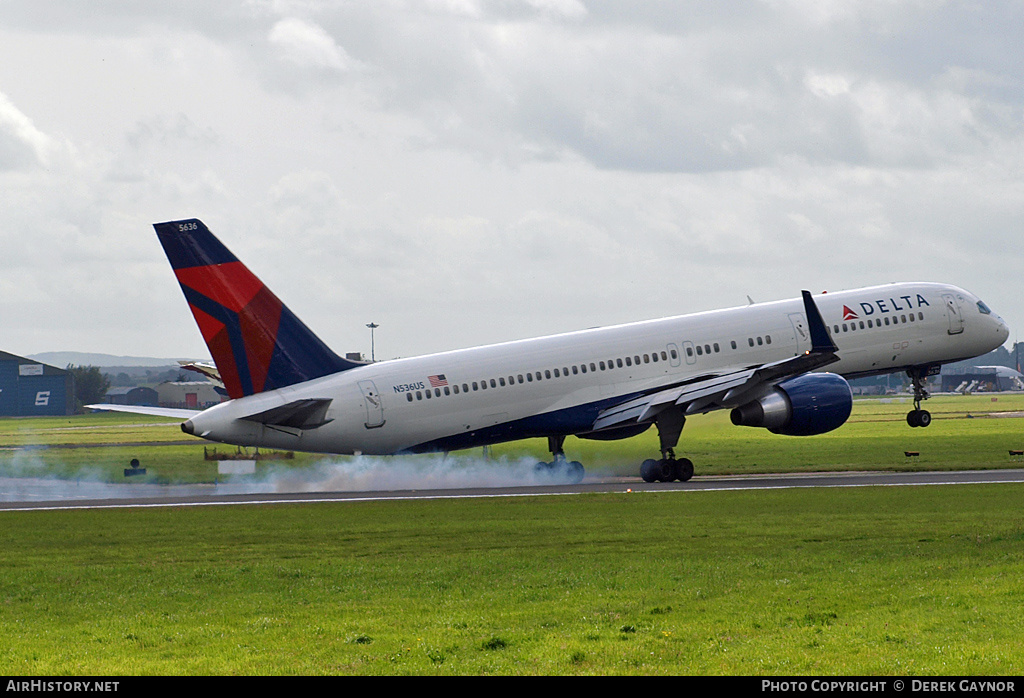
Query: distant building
x: 133, y: 396
x: 982, y: 379
x: 32, y: 389
x: 187, y: 394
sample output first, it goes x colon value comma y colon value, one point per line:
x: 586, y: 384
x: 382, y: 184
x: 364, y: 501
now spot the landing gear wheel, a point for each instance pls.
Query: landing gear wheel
x: 683, y: 469
x: 559, y: 471
x: 650, y: 471
x: 574, y: 472
x: 666, y: 470
x: 919, y: 418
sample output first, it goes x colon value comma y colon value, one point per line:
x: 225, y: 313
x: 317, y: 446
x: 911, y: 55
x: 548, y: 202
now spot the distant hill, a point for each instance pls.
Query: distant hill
x: 61, y: 359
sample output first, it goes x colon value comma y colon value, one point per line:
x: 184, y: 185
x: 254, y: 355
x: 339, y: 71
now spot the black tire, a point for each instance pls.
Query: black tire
x: 684, y: 469
x: 666, y: 470
x: 575, y: 472
x: 649, y: 470
x: 913, y: 418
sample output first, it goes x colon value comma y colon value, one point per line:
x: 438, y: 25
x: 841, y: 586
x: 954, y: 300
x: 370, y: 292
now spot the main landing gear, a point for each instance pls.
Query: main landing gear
x: 918, y: 417
x: 559, y: 469
x: 670, y: 426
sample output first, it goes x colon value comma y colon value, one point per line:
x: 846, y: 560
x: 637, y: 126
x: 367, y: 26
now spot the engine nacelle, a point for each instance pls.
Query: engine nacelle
x: 813, y: 403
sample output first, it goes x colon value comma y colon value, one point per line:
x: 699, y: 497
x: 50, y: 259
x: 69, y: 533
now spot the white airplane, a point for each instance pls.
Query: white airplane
x: 762, y: 361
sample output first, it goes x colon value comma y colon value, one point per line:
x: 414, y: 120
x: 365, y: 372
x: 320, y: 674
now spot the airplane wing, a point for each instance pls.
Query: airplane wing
x: 728, y: 389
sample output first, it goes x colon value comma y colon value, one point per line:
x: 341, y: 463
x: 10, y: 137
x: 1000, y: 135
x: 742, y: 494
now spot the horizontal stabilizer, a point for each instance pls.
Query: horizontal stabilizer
x: 299, y: 414
x: 170, y: 412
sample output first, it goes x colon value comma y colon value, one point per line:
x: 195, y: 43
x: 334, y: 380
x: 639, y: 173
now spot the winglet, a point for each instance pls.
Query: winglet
x: 821, y: 341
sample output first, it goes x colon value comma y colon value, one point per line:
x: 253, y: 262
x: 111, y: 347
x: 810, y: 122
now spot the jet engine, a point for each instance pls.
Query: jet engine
x: 813, y: 403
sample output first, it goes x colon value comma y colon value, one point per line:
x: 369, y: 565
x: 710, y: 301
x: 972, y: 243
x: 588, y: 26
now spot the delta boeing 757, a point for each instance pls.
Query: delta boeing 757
x: 764, y: 362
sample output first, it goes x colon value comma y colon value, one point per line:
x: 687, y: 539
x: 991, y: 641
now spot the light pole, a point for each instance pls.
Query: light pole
x: 372, y: 327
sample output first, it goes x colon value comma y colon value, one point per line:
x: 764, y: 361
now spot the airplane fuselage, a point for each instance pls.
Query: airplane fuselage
x: 560, y: 384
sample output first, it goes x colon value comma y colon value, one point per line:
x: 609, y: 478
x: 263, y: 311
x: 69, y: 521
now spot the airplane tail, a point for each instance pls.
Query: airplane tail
x: 257, y: 343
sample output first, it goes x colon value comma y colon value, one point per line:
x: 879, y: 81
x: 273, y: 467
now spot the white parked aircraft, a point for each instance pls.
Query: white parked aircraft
x: 762, y: 361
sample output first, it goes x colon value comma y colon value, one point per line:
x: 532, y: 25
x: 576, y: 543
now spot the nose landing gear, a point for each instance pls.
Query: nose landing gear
x: 918, y: 417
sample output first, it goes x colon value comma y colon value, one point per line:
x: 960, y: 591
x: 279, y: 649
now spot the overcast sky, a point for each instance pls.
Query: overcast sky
x: 471, y: 171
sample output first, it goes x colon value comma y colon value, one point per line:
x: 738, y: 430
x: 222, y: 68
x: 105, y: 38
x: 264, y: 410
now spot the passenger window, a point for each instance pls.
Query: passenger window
x: 447, y: 390
x: 768, y: 339
x: 716, y: 347
x: 574, y: 370
x: 408, y: 396
x: 700, y: 350
x: 675, y: 355
x: 733, y: 343
x: 547, y: 374
x: 750, y: 340
x: 419, y: 395
x: 474, y: 386
x: 760, y: 342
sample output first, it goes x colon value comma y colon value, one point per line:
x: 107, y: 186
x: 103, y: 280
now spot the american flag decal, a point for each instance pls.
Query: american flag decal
x: 438, y: 381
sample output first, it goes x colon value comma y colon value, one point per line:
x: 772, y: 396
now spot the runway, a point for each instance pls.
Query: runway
x: 28, y: 494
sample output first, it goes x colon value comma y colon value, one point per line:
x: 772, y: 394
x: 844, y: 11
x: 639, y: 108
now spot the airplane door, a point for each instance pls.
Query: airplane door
x: 374, y: 408
x: 691, y: 357
x: 956, y: 320
x: 800, y: 331
x: 673, y: 355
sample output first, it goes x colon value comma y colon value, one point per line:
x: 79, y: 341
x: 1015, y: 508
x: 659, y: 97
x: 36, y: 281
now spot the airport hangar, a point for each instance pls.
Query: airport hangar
x: 32, y: 389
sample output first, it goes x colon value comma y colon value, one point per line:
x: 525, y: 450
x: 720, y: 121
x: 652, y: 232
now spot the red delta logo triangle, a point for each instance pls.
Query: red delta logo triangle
x: 849, y: 314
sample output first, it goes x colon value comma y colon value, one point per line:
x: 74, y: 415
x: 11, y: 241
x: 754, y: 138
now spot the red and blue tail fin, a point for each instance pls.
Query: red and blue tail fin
x: 256, y: 341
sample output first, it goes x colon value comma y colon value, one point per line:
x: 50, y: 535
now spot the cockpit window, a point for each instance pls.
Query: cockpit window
x: 983, y: 308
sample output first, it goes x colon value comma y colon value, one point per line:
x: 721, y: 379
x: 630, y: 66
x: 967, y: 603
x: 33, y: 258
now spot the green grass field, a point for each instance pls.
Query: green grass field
x: 863, y: 581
